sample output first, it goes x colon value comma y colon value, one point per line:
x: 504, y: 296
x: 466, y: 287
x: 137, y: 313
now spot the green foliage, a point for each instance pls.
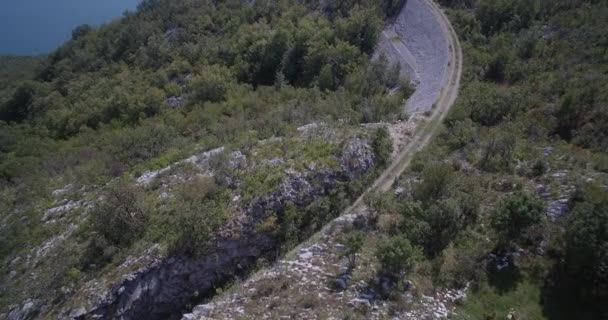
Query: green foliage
x: 81, y: 31
x: 488, y: 105
x: 498, y: 152
x: 515, y: 215
x: 14, y: 70
x: 511, y: 15
x: 354, y: 242
x: 383, y: 146
x: 445, y: 223
x: 121, y: 217
x: 211, y: 85
x: 361, y: 29
x: 398, y: 256
x: 22, y: 104
x: 142, y: 143
x: 488, y: 302
x: 116, y: 222
x: 459, y: 133
x: 413, y: 224
x: 197, y: 212
x: 290, y: 223
x: 436, y: 178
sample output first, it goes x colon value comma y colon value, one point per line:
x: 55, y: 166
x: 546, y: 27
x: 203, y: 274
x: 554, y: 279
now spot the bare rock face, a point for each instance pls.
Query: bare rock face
x: 164, y: 287
x: 357, y: 158
x: 162, y: 290
x: 27, y: 310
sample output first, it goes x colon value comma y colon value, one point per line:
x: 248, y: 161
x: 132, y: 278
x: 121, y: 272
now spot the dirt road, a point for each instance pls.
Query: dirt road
x: 233, y: 305
x: 426, y: 130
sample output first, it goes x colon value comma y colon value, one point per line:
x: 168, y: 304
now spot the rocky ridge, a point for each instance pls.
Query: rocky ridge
x: 163, y: 286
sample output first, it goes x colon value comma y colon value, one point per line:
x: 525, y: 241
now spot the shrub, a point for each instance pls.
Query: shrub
x: 197, y: 213
x: 515, y: 215
x: 354, y: 243
x: 121, y: 217
x: 459, y: 133
x: 498, y: 152
x: 436, y: 178
x: 398, y: 256
x: 383, y: 146
x: 211, y: 85
x: 289, y: 229
x: 196, y: 224
x: 444, y: 221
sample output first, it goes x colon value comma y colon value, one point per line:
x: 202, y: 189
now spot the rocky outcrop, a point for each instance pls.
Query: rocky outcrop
x: 27, y: 310
x: 164, y: 287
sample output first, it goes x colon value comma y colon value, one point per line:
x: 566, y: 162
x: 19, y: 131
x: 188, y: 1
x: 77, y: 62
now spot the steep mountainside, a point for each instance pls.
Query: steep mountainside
x: 182, y: 143
x: 149, y: 167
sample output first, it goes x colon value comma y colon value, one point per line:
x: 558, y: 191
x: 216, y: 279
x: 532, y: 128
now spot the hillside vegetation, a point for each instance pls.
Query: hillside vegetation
x: 511, y: 198
x: 189, y: 121
x: 83, y: 128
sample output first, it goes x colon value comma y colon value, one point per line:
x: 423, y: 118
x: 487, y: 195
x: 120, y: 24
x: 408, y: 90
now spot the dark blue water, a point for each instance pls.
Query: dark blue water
x: 39, y: 26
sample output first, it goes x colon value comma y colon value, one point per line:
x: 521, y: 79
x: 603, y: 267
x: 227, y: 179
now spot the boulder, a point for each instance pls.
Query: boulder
x: 27, y: 310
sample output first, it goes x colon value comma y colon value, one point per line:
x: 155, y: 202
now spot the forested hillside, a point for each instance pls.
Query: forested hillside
x: 85, y: 131
x: 194, y: 141
x: 511, y: 198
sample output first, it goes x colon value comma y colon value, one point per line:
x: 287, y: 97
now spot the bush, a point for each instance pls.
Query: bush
x: 121, y: 217
x: 515, y: 215
x: 436, y: 178
x: 398, y: 256
x: 459, y: 133
x: 383, y: 146
x: 498, y: 151
x: 354, y: 242
x: 197, y: 213
x: 489, y: 106
x: 211, y: 85
x: 289, y: 230
x: 445, y: 223
x: 116, y: 222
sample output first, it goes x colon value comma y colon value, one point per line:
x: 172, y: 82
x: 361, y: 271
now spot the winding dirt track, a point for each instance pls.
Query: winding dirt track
x: 427, y: 130
x: 421, y: 138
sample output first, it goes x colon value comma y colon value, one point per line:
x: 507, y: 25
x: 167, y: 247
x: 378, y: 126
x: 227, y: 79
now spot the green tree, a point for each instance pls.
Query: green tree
x: 122, y: 215
x: 499, y: 151
x: 289, y: 228
x: 383, y: 146
x: 515, y: 215
x: 198, y: 211
x: 398, y: 256
x: 211, y: 85
x: 19, y: 107
x: 360, y: 29
x: 445, y: 223
x: 81, y: 31
x: 586, y: 247
x: 436, y: 178
x: 353, y: 242
x: 326, y: 80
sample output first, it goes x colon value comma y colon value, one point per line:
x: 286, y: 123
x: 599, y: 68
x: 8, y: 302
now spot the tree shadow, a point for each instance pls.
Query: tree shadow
x: 503, y: 273
x: 505, y: 280
x: 561, y: 300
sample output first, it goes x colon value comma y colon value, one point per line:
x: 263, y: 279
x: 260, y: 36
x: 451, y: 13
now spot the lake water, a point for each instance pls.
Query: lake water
x: 30, y: 27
